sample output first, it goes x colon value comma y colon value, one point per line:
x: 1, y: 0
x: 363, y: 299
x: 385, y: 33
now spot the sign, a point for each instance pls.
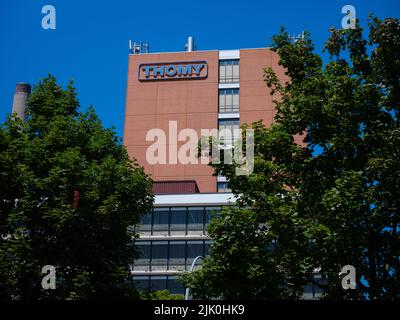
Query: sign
x: 173, y: 71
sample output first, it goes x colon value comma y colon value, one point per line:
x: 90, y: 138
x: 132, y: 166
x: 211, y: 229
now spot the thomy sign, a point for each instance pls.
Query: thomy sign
x: 173, y: 70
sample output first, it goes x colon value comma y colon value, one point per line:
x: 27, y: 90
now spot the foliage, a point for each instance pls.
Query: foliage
x: 332, y: 203
x: 68, y: 193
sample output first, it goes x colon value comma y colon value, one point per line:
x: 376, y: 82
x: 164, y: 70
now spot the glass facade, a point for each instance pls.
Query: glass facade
x: 157, y: 282
x: 169, y: 255
x: 176, y: 221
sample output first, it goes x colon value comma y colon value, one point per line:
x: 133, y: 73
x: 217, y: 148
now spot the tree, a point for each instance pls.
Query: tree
x: 68, y: 193
x: 260, y: 246
x: 344, y: 186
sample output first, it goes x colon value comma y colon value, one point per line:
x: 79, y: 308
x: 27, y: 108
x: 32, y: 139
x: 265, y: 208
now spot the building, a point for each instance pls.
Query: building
x: 164, y: 90
x: 215, y: 89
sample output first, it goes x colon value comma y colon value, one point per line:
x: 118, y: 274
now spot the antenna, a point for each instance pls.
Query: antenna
x: 138, y: 48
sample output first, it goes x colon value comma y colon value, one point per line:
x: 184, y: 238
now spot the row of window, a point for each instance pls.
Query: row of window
x: 162, y: 255
x: 172, y: 283
x: 228, y: 102
x: 155, y: 283
x: 177, y: 220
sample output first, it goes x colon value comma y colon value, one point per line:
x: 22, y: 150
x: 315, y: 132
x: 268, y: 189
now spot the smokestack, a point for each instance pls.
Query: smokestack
x: 190, y: 46
x: 22, y: 92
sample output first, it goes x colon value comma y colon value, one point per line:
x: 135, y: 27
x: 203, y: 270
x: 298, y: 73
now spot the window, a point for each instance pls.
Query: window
x: 178, y: 219
x: 142, y: 283
x: 174, y: 285
x: 145, y: 222
x: 194, y: 249
x: 195, y: 218
x: 228, y: 71
x: 144, y: 252
x: 228, y: 131
x: 158, y: 283
x: 228, y: 100
x: 210, y: 213
x: 177, y: 253
x: 159, y: 253
x: 161, y: 219
x: 223, y: 187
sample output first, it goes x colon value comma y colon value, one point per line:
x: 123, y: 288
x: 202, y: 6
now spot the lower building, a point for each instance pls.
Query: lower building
x: 172, y: 235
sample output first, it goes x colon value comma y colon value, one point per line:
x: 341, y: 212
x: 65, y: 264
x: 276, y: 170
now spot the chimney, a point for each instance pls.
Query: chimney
x: 22, y: 92
x: 190, y: 46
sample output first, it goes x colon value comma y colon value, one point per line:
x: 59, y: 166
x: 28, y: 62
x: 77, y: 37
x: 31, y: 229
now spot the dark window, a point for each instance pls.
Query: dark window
x: 195, y: 217
x: 141, y: 282
x: 159, y: 251
x: 145, y: 222
x: 223, y: 187
x: 194, y: 249
x: 177, y: 252
x: 211, y: 212
x: 174, y: 285
x: 144, y: 251
x: 158, y: 283
x: 178, y: 219
x: 161, y: 219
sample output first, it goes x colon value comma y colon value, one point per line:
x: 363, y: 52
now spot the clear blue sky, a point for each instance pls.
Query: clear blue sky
x: 90, y: 44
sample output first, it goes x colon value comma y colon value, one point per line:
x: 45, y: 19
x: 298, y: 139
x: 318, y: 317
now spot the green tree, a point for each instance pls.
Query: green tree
x: 260, y: 247
x: 343, y: 188
x: 68, y: 194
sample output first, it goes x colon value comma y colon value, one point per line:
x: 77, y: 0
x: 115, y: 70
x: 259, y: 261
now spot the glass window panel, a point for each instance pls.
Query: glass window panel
x: 195, y: 218
x: 177, y: 252
x: 161, y: 219
x: 229, y: 100
x: 228, y: 72
x: 158, y: 283
x: 236, y: 73
x: 159, y: 252
x: 211, y: 212
x: 144, y: 251
x: 145, y: 222
x: 178, y: 218
x: 194, y: 249
x: 235, y: 99
x: 222, y: 72
x: 142, y: 282
x: 175, y: 286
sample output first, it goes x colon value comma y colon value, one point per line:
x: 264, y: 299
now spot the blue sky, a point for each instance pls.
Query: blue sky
x: 90, y: 43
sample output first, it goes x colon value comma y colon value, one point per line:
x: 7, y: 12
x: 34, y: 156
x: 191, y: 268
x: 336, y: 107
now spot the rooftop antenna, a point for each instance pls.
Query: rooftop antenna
x: 138, y: 48
x: 295, y: 38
